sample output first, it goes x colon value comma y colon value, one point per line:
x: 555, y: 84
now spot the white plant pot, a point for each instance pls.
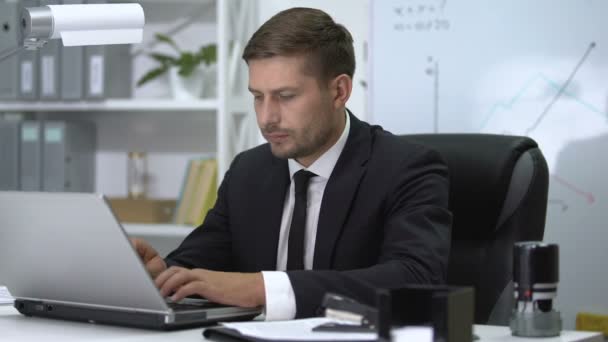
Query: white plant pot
x: 210, y: 81
x: 186, y: 88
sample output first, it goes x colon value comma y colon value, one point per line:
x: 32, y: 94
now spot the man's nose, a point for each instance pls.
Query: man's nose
x: 268, y: 112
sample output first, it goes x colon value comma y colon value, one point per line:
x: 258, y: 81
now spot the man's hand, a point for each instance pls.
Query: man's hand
x: 231, y: 288
x: 153, y: 262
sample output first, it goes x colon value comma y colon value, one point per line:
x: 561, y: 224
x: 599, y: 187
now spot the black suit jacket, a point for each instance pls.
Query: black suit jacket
x: 383, y: 220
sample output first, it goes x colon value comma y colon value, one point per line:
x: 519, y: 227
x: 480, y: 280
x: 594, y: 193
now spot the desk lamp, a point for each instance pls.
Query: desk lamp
x: 77, y: 25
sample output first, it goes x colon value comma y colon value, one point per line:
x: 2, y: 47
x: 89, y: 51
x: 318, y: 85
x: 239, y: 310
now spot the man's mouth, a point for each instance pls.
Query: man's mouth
x: 276, y: 137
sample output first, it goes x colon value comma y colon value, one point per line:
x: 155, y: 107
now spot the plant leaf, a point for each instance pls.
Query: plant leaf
x: 163, y: 59
x: 208, y: 54
x: 152, y: 74
x: 166, y: 39
x: 187, y: 64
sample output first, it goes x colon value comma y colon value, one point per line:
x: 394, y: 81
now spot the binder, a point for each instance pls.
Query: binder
x: 48, y: 61
x: 189, y: 188
x: 94, y: 75
x: 71, y: 68
x: 31, y: 152
x: 10, y: 140
x: 205, y: 193
x: 108, y: 70
x: 9, y: 21
x: 94, y: 68
x: 68, y: 156
x: 118, y: 73
x: 28, y: 66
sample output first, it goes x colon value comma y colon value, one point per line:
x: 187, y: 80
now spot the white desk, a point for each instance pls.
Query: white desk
x: 15, y: 327
x: 492, y: 333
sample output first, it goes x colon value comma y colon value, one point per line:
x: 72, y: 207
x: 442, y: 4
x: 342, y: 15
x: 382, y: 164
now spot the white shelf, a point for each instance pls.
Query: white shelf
x: 165, y: 1
x: 114, y: 105
x: 158, y: 230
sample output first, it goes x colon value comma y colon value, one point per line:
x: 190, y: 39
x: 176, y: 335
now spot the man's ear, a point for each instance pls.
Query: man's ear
x: 341, y: 87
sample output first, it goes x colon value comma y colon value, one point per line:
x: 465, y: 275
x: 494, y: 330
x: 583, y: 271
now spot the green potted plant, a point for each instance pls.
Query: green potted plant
x: 187, y: 70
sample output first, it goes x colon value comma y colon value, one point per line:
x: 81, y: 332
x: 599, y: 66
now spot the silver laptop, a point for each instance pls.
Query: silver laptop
x: 65, y: 256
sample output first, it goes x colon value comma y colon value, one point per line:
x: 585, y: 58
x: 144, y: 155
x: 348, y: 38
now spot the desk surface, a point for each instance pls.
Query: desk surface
x: 15, y: 327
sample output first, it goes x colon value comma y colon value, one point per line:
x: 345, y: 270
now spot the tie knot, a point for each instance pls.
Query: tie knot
x: 301, y: 179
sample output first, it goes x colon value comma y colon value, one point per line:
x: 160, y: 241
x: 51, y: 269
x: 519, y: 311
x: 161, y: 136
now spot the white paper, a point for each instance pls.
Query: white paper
x: 5, y: 297
x: 299, y: 329
x: 96, y: 24
x: 413, y: 334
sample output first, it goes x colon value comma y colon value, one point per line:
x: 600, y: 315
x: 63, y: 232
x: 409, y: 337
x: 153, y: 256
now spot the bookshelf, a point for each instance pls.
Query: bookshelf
x: 172, y: 130
x: 126, y: 105
x: 157, y: 230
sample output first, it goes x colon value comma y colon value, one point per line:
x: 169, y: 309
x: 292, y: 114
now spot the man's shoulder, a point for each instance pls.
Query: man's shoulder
x: 255, y: 157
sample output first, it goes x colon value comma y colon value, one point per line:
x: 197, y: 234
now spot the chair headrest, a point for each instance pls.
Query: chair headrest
x: 480, y: 168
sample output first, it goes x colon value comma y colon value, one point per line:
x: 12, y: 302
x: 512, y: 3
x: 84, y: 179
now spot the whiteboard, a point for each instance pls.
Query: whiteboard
x: 496, y: 67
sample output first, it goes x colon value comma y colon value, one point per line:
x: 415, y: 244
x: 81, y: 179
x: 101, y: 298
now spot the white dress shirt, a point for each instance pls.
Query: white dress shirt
x: 280, y: 298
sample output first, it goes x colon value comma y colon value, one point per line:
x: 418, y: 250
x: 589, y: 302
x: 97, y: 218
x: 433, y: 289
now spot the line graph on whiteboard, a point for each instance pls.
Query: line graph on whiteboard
x: 516, y: 87
x: 553, y: 112
x: 501, y: 116
x: 565, y: 116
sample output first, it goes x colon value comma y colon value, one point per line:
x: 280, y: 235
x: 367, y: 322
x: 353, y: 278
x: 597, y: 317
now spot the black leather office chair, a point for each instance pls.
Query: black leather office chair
x: 498, y: 195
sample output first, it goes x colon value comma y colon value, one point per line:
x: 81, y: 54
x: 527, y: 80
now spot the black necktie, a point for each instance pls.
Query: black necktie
x: 295, y: 251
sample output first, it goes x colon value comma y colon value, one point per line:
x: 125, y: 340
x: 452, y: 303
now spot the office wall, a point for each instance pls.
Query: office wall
x: 355, y: 16
x: 496, y: 67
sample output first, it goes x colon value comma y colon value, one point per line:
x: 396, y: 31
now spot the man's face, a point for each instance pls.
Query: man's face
x: 295, y: 113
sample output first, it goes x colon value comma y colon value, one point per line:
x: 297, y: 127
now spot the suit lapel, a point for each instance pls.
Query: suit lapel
x: 340, y: 191
x: 273, y: 187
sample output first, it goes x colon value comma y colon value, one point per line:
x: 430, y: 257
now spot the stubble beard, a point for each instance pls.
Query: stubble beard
x: 301, y: 148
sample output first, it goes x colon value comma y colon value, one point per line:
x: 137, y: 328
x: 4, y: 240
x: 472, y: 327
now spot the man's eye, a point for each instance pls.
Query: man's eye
x: 286, y: 96
x: 257, y: 98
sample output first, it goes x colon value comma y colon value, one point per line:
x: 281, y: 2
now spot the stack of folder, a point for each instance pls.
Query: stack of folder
x: 10, y: 142
x: 199, y: 192
x: 55, y: 72
x: 47, y: 156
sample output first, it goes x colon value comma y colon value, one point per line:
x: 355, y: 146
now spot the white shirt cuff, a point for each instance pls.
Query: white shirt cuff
x: 280, y: 299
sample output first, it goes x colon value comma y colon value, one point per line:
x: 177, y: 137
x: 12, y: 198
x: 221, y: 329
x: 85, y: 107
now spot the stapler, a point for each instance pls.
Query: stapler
x: 357, y: 317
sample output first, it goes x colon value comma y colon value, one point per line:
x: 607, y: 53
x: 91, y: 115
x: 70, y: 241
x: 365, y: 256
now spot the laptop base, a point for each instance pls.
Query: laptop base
x: 134, y: 319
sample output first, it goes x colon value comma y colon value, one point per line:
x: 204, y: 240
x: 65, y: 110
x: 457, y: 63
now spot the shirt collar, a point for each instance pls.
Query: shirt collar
x: 325, y: 164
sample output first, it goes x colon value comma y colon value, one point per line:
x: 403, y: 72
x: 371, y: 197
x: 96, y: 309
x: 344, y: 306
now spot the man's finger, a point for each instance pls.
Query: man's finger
x: 191, y: 288
x: 166, y: 274
x: 177, y: 280
x: 136, y: 243
x: 143, y: 249
x: 156, y: 266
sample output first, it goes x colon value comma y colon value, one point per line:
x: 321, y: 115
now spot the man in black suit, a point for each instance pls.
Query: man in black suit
x: 329, y: 204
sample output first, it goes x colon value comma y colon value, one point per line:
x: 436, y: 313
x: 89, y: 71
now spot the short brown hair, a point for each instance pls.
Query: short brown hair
x: 305, y: 31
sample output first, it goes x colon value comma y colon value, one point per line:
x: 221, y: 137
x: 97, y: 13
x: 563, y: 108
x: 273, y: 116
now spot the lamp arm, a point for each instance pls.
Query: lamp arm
x: 28, y: 44
x: 9, y: 52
